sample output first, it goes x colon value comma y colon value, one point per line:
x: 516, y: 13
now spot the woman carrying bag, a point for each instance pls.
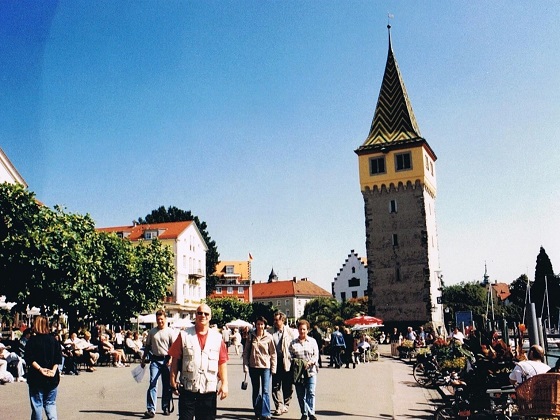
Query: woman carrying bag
x: 259, y: 360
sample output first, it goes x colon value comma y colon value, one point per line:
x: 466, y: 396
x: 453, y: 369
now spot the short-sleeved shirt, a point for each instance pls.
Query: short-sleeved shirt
x: 527, y: 368
x: 159, y: 341
x: 176, y: 350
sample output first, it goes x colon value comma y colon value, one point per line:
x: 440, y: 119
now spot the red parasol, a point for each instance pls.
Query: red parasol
x: 364, y: 320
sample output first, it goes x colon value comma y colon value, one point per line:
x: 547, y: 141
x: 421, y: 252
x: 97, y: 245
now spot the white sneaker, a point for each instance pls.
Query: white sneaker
x: 21, y: 379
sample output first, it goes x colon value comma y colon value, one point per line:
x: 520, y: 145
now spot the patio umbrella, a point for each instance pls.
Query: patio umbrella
x: 364, y: 320
x: 181, y: 323
x: 239, y: 323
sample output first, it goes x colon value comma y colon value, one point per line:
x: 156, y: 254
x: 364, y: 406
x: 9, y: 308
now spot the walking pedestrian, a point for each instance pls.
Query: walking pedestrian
x: 203, y: 369
x: 158, y: 343
x: 316, y: 334
x: 282, y: 385
x: 337, y: 346
x: 259, y: 360
x: 305, y: 353
x: 43, y: 355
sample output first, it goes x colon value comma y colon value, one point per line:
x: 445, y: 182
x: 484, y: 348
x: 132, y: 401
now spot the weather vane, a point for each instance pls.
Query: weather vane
x: 389, y: 17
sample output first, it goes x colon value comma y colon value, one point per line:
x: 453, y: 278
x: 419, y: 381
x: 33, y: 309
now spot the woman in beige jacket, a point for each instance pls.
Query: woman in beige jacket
x: 259, y: 360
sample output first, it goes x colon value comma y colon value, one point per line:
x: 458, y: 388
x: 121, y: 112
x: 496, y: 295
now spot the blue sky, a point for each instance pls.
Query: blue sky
x: 248, y: 114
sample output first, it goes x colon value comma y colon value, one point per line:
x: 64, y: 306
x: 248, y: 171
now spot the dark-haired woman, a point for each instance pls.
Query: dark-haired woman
x: 43, y: 355
x: 259, y: 360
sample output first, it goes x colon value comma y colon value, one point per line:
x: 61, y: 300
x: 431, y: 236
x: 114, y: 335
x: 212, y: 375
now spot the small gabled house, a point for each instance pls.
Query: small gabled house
x: 288, y: 296
x: 352, y: 280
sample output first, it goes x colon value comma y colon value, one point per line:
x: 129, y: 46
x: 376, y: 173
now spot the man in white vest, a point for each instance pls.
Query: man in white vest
x: 200, y: 356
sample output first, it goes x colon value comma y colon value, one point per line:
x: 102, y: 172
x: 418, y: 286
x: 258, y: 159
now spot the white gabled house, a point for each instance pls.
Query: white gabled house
x: 352, y: 279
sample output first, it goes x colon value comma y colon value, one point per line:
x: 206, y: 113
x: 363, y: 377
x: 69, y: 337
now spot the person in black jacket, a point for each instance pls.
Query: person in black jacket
x: 43, y: 355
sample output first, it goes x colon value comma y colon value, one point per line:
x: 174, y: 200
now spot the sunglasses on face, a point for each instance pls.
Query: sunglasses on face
x: 200, y: 313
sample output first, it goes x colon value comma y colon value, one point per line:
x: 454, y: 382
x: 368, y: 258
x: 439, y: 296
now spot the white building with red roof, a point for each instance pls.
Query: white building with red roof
x: 189, y: 259
x: 288, y: 296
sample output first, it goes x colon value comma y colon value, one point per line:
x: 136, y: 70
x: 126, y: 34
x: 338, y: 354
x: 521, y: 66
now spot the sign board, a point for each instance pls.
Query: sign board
x: 463, y: 318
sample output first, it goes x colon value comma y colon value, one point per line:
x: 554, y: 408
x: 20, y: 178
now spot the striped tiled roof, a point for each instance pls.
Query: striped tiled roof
x: 288, y: 288
x: 394, y: 119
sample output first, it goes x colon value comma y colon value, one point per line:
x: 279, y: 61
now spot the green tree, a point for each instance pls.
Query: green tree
x: 543, y: 270
x: 174, y: 214
x: 473, y: 297
x: 324, y: 312
x: 135, y: 278
x: 518, y: 292
x: 354, y: 307
x: 225, y: 310
x: 21, y: 218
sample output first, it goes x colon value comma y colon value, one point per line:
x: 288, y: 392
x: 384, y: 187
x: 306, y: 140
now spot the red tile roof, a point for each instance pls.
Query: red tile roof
x: 288, y: 288
x: 169, y: 230
x: 502, y: 290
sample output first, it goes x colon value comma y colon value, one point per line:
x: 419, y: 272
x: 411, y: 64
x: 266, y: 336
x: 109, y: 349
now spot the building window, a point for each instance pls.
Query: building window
x: 286, y: 302
x: 229, y: 269
x: 150, y: 234
x: 397, y: 274
x: 393, y: 206
x: 218, y: 290
x: 230, y: 290
x: 278, y: 302
x: 365, y: 292
x: 343, y: 296
x: 427, y: 163
x: 354, y: 295
x: 240, y: 290
x: 431, y: 168
x: 353, y: 270
x: 288, y: 313
x: 377, y: 165
x: 403, y: 161
x: 395, y: 239
x: 353, y: 282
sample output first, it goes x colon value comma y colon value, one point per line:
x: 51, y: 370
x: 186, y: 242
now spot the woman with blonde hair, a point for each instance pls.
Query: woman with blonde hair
x: 43, y: 355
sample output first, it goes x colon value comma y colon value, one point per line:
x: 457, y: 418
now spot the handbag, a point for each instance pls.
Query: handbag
x: 244, y: 384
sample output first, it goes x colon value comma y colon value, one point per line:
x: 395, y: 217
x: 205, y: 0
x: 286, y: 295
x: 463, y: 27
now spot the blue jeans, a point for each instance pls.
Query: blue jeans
x: 306, y: 396
x: 157, y: 369
x: 260, y: 382
x: 42, y: 398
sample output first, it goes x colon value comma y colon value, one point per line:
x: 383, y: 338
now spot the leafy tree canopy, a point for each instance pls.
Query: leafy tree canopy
x: 225, y: 310
x: 57, y: 261
x: 174, y: 214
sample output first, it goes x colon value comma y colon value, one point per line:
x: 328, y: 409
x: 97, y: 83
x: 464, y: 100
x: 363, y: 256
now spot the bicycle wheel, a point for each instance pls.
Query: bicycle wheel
x: 444, y: 413
x: 419, y: 373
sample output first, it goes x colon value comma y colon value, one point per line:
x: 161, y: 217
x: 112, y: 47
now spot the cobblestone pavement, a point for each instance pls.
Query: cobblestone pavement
x: 378, y: 390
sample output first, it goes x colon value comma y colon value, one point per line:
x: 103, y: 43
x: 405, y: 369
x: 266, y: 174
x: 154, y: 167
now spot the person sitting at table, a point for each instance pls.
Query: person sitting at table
x: 132, y: 346
x: 119, y: 358
x: 363, y: 347
x: 527, y: 368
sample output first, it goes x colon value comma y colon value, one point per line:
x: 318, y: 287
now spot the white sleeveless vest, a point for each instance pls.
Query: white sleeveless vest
x: 199, y: 372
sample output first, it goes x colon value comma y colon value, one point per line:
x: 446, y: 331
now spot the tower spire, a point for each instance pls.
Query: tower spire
x: 394, y: 118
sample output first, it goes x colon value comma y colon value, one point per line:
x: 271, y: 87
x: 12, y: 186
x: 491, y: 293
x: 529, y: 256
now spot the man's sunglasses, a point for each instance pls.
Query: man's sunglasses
x: 199, y: 313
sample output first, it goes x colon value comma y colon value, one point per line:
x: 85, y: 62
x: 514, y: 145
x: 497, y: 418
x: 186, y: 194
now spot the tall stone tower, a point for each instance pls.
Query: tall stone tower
x: 398, y: 183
